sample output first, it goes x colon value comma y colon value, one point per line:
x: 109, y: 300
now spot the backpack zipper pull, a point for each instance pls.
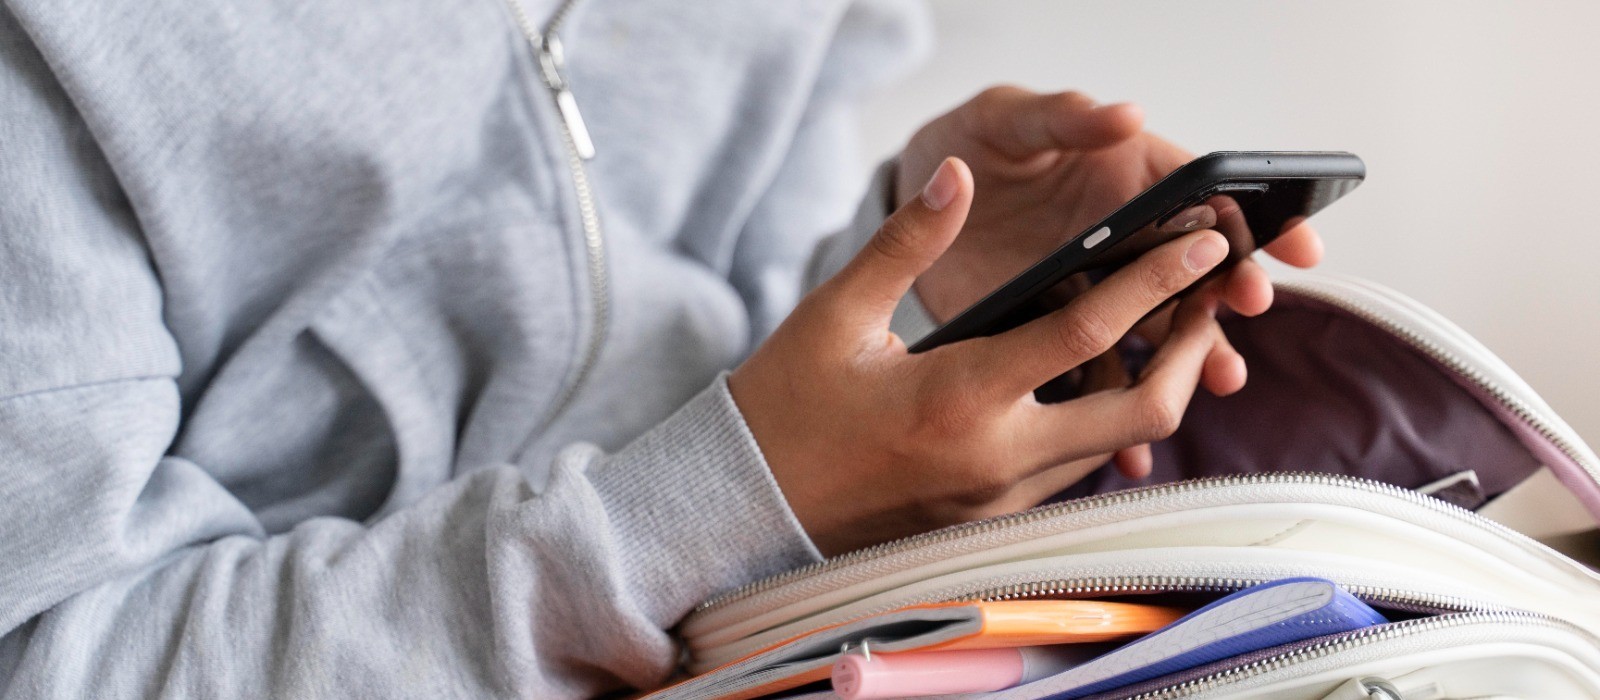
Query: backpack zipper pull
x: 551, y: 63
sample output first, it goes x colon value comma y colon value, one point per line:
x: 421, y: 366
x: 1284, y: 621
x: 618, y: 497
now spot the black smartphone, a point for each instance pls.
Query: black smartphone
x: 1250, y: 197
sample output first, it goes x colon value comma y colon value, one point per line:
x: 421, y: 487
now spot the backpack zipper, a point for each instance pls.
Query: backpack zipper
x: 1390, y: 598
x: 1072, y: 580
x: 579, y: 148
x: 1354, y: 640
x: 770, y: 587
x: 1386, y: 321
x: 1101, y: 586
x: 1327, y: 291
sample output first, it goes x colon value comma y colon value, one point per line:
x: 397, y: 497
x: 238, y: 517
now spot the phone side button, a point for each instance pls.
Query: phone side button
x: 1097, y: 237
x: 1043, y: 271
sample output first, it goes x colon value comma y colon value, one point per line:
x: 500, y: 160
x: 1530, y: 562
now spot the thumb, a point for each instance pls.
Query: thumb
x: 909, y: 241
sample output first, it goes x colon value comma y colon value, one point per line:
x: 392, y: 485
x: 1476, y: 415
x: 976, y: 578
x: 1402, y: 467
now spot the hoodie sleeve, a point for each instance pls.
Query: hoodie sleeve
x: 131, y: 572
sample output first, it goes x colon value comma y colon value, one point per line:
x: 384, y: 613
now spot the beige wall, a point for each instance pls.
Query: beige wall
x: 1477, y: 121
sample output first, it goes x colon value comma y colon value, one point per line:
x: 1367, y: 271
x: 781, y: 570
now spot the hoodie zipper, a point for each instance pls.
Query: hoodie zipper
x: 579, y: 148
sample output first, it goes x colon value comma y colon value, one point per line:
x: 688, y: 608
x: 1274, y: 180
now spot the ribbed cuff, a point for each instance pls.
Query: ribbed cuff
x: 695, y: 510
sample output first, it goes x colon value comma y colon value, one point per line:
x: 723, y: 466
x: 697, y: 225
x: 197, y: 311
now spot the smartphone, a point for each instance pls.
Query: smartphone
x: 1250, y: 197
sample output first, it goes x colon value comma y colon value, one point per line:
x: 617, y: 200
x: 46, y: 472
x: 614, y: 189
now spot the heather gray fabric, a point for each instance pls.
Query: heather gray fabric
x: 289, y: 290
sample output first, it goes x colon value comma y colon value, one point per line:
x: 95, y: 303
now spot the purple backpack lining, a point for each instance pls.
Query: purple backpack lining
x: 1331, y: 392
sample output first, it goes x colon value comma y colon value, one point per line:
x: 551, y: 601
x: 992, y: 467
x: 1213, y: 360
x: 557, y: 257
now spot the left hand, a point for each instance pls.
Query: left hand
x: 1046, y: 166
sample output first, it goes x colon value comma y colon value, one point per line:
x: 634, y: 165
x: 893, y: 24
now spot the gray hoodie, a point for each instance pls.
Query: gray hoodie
x: 317, y: 376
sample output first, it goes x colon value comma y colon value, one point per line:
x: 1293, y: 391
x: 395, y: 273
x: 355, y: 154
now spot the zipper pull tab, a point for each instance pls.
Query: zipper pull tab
x: 551, y: 61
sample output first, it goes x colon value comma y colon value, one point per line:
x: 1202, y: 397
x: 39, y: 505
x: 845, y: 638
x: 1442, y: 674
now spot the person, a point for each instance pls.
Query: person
x: 334, y: 368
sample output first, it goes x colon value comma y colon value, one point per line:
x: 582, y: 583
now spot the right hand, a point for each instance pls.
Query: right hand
x: 869, y: 443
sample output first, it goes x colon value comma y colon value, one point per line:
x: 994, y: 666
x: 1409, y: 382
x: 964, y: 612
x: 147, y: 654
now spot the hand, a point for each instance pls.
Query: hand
x: 869, y: 442
x: 1047, y: 167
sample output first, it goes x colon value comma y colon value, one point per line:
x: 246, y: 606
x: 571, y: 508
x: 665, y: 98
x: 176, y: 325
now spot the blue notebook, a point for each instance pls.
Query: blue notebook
x: 1259, y: 617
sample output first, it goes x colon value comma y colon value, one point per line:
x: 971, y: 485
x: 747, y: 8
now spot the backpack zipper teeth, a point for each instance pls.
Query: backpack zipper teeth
x: 579, y: 147
x: 956, y: 532
x: 1439, y: 353
x: 1100, y: 586
x: 1135, y: 584
x: 1354, y: 640
x: 1391, y: 598
x: 966, y: 530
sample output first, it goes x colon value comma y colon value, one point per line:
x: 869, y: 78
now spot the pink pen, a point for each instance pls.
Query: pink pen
x: 859, y: 677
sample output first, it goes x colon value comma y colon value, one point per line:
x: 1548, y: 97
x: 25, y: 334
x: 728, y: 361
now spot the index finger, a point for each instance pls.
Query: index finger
x: 1026, y: 357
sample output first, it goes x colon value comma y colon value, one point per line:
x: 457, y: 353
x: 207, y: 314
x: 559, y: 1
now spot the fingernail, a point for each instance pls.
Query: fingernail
x: 1205, y: 253
x: 942, y: 188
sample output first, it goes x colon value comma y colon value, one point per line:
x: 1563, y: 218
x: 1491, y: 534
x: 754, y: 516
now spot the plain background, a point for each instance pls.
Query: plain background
x: 1477, y: 121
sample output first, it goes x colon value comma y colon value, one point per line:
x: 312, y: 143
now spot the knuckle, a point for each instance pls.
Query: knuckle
x: 1085, y: 334
x: 952, y: 441
x: 1073, y: 100
x: 954, y: 416
x: 985, y: 486
x: 895, y: 240
x: 949, y: 416
x: 997, y: 93
x: 1160, y: 414
x: 975, y: 485
x: 1161, y: 279
x: 992, y: 103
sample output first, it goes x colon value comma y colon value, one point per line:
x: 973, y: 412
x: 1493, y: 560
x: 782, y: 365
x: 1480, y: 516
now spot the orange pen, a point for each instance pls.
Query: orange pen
x: 1021, y: 623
